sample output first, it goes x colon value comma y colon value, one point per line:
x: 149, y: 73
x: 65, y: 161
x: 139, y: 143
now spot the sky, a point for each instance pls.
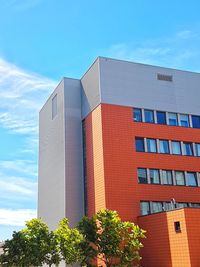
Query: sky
x: 43, y: 40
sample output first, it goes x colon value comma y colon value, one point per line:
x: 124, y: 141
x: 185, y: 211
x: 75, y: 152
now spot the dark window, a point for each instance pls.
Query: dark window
x: 142, y: 176
x: 164, y: 146
x: 184, y: 120
x: 195, y: 121
x: 192, y: 178
x: 154, y: 176
x: 137, y: 114
x: 176, y: 148
x: 197, y: 150
x: 151, y: 145
x: 180, y: 178
x: 54, y: 106
x: 173, y: 120
x: 167, y: 177
x: 139, y: 143
x: 177, y: 227
x: 187, y: 149
x: 161, y: 117
x: 148, y: 115
x: 144, y: 207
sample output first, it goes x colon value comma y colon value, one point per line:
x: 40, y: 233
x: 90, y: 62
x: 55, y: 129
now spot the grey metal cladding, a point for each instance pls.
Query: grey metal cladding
x: 51, y: 181
x: 73, y: 148
x: 90, y: 89
x: 132, y: 84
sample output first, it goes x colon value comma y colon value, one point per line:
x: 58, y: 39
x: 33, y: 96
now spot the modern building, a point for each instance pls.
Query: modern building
x: 126, y: 136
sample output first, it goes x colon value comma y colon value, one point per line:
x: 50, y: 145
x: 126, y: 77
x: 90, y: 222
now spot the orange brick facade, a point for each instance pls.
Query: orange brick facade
x: 164, y: 247
x: 112, y: 182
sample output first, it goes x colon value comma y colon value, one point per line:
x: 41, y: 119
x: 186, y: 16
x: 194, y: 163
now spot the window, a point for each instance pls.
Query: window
x: 179, y: 177
x: 137, y: 114
x: 154, y: 176
x: 191, y: 179
x: 157, y: 207
x: 168, y: 206
x: 148, y: 115
x: 164, y: 146
x: 195, y: 121
x: 181, y: 205
x: 195, y: 205
x: 54, y: 106
x: 167, y: 177
x: 177, y: 227
x: 176, y: 148
x: 161, y: 117
x: 184, y: 120
x: 144, y: 207
x: 187, y: 149
x: 151, y: 145
x: 142, y: 176
x: 139, y: 142
x: 197, y: 146
x: 173, y: 119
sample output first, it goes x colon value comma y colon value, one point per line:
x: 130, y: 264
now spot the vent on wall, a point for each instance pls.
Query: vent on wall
x: 163, y: 77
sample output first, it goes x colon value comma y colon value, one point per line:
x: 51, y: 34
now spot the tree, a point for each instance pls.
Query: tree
x: 109, y: 240
x: 14, y: 251
x: 32, y: 246
x: 69, y: 240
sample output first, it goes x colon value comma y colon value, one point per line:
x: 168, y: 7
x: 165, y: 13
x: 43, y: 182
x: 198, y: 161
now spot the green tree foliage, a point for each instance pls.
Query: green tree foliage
x: 32, y: 246
x: 15, y: 251
x: 109, y: 240
x: 69, y: 240
x: 102, y: 239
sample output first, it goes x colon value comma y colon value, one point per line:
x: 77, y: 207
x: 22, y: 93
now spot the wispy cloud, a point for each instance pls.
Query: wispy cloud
x: 16, y: 217
x: 176, y: 51
x: 17, y: 185
x: 22, y: 95
x: 25, y: 167
x: 21, y: 5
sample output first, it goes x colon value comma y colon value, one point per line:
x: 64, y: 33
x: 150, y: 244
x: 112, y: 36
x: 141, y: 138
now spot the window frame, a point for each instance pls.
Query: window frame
x: 187, y: 115
x: 158, y: 172
x: 184, y: 180
x: 167, y: 171
x: 165, y: 117
x: 136, y: 147
x: 144, y: 179
x: 164, y: 140
x: 147, y: 145
x: 174, y: 113
x: 173, y: 142
x: 150, y: 111
x: 195, y: 178
x: 137, y: 109
x: 185, y: 149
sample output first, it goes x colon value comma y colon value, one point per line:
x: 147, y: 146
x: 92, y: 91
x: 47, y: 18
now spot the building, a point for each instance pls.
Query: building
x: 126, y: 136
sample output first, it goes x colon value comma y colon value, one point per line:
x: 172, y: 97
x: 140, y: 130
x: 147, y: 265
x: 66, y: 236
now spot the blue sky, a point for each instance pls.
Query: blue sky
x: 43, y: 40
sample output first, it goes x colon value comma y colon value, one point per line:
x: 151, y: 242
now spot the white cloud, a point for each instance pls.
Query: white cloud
x: 22, y: 95
x: 16, y: 217
x: 18, y: 5
x: 19, y: 187
x: 25, y: 167
x: 180, y: 50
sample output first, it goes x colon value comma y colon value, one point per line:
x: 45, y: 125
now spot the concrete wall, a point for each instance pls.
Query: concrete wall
x: 136, y: 85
